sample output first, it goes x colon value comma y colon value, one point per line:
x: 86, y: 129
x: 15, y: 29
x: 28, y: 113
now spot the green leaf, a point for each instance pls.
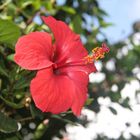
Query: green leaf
x: 11, y: 104
x: 63, y: 119
x: 67, y: 9
x: 10, y: 57
x: 9, y: 137
x: 113, y: 110
x: 76, y: 24
x: 115, y: 97
x: 126, y: 104
x: 36, y: 112
x: 41, y: 129
x: 9, y: 32
x: 30, y: 28
x: 105, y: 24
x: 3, y: 70
x: 7, y: 124
x: 102, y: 12
x: 89, y: 101
x: 21, y: 83
x: 0, y: 84
x: 26, y: 3
x: 48, y: 5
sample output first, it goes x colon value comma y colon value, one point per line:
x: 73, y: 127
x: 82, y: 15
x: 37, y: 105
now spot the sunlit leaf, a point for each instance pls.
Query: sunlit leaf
x: 77, y: 24
x: 89, y: 101
x: 67, y: 9
x: 10, y: 57
x: 9, y: 32
x: 40, y: 130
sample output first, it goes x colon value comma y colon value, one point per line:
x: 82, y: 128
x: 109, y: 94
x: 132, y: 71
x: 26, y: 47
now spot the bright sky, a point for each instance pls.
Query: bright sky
x: 123, y: 13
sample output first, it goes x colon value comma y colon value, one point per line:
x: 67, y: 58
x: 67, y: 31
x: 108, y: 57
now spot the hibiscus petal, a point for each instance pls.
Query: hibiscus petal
x: 58, y: 93
x: 34, y: 51
x: 80, y: 80
x: 52, y: 93
x: 60, y: 30
x: 69, y: 48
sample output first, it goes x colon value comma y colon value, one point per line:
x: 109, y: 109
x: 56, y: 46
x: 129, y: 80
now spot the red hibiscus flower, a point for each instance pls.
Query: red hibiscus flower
x: 62, y: 77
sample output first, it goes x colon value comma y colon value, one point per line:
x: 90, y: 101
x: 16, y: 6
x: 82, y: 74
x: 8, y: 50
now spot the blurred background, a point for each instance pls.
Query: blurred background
x: 112, y: 111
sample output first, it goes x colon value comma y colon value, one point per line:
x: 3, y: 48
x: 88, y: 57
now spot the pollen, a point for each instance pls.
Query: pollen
x: 97, y: 53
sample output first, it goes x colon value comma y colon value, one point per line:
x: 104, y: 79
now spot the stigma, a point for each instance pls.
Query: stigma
x: 97, y: 53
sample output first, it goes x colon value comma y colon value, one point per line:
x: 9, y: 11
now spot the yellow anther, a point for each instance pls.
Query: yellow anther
x: 97, y: 53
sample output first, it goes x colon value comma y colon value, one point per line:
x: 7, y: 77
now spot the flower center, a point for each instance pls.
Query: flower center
x: 55, y: 69
x: 97, y: 53
x: 55, y: 66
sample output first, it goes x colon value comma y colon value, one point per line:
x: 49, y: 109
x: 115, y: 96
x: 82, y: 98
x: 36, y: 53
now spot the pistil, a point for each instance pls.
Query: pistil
x: 97, y: 53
